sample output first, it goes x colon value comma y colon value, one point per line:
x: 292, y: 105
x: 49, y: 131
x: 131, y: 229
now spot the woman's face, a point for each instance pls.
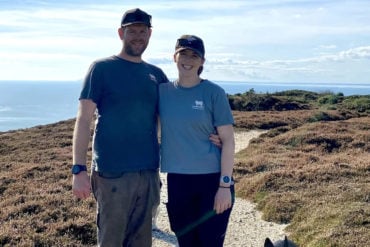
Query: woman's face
x: 188, y: 62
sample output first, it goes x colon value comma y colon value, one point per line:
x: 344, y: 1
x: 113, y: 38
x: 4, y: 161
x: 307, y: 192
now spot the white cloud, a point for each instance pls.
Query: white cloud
x: 356, y: 53
x: 317, y: 69
x: 329, y: 47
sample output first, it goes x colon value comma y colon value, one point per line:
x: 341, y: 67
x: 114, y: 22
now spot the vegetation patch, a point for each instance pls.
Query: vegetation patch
x: 315, y: 177
x: 311, y: 170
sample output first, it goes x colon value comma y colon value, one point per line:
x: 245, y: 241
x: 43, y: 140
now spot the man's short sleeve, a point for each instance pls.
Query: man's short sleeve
x: 92, y: 84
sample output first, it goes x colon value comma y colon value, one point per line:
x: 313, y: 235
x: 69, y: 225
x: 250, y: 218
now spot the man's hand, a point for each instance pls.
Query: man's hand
x: 81, y: 186
x: 216, y: 140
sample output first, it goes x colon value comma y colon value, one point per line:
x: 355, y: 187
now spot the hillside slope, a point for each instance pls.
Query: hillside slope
x: 310, y: 169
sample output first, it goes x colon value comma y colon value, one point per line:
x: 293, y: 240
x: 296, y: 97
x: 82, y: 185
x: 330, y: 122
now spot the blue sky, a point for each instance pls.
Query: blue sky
x: 318, y: 41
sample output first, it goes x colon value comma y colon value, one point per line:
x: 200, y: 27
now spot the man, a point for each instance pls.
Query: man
x: 122, y: 91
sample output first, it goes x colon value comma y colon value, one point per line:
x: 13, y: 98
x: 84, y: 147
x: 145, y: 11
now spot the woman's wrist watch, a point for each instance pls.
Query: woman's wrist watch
x: 225, y: 181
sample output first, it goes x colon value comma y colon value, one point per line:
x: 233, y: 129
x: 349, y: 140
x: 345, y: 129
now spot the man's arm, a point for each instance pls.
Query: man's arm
x: 81, y: 187
x: 215, y: 139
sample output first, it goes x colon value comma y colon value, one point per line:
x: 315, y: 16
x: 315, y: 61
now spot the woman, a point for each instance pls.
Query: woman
x: 199, y: 174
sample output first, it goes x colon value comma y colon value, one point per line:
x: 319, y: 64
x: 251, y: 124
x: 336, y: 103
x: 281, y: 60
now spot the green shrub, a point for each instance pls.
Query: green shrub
x: 331, y: 99
x: 358, y: 103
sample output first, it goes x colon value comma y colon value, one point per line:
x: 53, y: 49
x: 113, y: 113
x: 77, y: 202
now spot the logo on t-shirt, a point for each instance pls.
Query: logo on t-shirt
x: 153, y: 78
x: 198, y: 105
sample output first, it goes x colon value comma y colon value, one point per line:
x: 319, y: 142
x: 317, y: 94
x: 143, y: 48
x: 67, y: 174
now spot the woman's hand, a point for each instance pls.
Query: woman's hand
x: 222, y: 200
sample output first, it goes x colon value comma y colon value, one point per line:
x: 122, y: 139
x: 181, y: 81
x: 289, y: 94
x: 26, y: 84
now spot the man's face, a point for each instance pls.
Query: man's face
x: 135, y: 39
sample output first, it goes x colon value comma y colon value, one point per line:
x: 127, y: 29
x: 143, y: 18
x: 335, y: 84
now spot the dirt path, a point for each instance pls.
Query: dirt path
x: 245, y: 229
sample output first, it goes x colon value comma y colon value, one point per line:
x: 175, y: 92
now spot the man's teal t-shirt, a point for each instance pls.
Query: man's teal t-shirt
x: 188, y: 116
x: 126, y: 95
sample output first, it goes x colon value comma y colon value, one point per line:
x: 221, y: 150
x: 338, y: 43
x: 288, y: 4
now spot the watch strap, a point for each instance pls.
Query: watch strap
x: 77, y: 168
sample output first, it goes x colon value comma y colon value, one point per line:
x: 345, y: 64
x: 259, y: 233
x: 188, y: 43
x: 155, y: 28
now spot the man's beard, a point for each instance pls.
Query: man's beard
x: 135, y: 52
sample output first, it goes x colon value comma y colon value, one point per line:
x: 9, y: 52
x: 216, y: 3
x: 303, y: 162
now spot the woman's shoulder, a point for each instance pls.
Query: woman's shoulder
x: 210, y: 85
x: 167, y: 84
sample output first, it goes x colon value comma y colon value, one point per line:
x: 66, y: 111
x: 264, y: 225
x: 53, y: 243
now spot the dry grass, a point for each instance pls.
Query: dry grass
x: 37, y: 207
x: 314, y: 175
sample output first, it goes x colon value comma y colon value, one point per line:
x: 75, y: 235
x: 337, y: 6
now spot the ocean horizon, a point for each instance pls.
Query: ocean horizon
x: 25, y: 104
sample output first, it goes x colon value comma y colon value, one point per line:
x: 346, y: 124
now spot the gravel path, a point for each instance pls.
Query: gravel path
x: 245, y: 229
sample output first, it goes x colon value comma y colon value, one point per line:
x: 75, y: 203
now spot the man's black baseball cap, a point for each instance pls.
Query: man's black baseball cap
x: 134, y: 16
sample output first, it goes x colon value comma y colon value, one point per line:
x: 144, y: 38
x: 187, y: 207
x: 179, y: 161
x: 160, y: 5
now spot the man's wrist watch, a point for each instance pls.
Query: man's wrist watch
x: 76, y: 169
x: 225, y: 180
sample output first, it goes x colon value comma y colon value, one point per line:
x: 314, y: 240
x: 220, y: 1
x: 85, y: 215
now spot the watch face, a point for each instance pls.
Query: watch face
x: 75, y: 169
x: 226, y: 179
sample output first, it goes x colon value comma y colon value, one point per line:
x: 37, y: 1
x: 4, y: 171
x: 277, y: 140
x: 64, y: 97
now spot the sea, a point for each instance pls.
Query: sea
x: 25, y: 104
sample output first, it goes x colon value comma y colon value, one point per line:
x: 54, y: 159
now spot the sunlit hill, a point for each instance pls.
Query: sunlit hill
x: 311, y: 169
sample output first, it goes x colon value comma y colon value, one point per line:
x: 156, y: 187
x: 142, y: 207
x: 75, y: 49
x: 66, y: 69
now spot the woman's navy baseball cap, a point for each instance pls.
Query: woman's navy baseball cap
x: 191, y: 42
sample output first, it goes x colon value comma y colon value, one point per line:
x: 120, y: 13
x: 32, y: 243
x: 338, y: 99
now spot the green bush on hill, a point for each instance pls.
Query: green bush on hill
x: 357, y: 103
x: 298, y: 100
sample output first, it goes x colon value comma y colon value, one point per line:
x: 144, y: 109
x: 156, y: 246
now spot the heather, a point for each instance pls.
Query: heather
x: 310, y: 169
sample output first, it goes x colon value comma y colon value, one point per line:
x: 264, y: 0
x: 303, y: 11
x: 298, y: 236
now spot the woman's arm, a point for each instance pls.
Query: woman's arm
x: 223, y: 195
x: 226, y: 134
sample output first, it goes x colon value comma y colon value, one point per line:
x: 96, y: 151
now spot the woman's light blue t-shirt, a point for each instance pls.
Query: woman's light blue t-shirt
x: 188, y: 116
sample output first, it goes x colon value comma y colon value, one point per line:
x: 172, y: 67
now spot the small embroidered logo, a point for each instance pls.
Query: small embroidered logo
x: 153, y: 78
x: 198, y: 105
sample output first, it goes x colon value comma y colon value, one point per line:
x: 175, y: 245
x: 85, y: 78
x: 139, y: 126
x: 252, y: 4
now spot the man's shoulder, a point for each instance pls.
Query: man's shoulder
x: 157, y: 72
x: 104, y: 60
x: 154, y: 67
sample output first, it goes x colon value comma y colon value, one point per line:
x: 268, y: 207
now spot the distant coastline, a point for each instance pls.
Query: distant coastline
x: 273, y: 87
x: 25, y: 104
x: 231, y: 87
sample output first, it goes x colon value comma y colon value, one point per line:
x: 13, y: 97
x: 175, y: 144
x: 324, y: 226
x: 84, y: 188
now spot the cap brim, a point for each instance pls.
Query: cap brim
x: 136, y: 22
x: 189, y: 48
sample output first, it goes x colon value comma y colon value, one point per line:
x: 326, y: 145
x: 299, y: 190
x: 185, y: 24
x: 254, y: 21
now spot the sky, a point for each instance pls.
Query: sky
x: 297, y: 41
